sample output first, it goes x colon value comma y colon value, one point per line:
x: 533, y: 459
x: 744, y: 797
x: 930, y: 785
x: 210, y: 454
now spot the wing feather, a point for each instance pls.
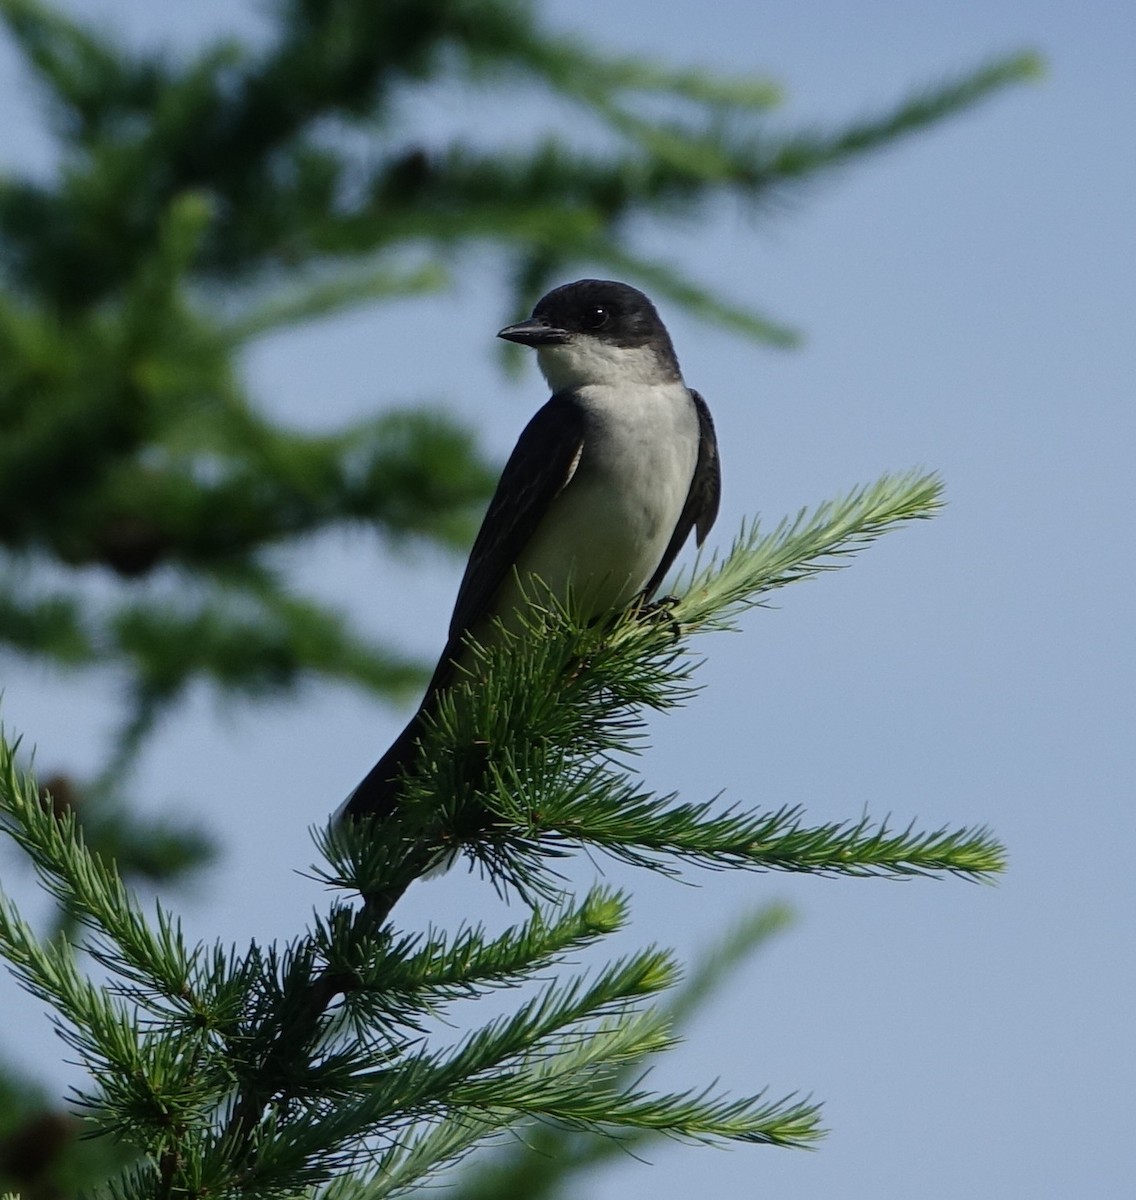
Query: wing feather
x: 702, y: 501
x: 541, y: 466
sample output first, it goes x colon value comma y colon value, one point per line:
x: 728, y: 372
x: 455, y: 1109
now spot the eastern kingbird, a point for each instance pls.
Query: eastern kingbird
x: 598, y: 497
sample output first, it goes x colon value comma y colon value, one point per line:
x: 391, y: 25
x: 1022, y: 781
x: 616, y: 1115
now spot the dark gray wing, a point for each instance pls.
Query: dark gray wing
x: 701, y: 507
x: 543, y: 461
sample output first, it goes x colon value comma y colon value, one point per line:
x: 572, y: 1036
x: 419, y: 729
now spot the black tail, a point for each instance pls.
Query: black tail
x: 378, y: 793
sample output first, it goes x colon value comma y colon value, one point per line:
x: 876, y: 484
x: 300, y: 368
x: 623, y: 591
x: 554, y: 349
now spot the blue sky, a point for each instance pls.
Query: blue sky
x: 968, y: 302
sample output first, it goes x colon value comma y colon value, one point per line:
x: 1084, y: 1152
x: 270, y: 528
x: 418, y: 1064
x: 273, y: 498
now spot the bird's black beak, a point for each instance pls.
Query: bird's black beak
x: 534, y: 332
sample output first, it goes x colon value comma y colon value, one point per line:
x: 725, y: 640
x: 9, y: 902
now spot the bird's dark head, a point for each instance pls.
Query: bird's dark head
x: 597, y: 331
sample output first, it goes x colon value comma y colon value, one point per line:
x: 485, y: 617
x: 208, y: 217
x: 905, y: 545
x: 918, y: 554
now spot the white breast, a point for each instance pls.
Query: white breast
x: 606, y: 532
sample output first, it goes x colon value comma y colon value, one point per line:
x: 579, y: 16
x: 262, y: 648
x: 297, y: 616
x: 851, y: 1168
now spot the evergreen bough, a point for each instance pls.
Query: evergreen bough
x: 318, y: 1065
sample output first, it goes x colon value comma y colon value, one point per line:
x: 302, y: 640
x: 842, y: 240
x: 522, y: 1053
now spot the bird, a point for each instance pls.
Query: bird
x: 601, y: 492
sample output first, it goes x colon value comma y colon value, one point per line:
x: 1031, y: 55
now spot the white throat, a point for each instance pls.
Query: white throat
x: 587, y: 361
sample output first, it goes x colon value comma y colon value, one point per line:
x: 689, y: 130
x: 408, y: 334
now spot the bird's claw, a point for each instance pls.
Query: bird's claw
x: 661, y: 611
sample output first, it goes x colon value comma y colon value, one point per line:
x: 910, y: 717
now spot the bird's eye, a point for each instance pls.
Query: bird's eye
x: 596, y: 317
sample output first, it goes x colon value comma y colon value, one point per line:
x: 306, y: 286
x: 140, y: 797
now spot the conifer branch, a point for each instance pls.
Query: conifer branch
x: 332, y: 1017
x: 93, y: 891
x: 548, y: 1154
x: 417, y: 975
x: 535, y: 743
x: 417, y: 1156
x: 802, y: 547
x: 802, y: 155
x: 324, y: 297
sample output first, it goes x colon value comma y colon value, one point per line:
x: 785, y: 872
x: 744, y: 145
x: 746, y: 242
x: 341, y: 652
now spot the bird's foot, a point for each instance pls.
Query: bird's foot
x: 661, y: 611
